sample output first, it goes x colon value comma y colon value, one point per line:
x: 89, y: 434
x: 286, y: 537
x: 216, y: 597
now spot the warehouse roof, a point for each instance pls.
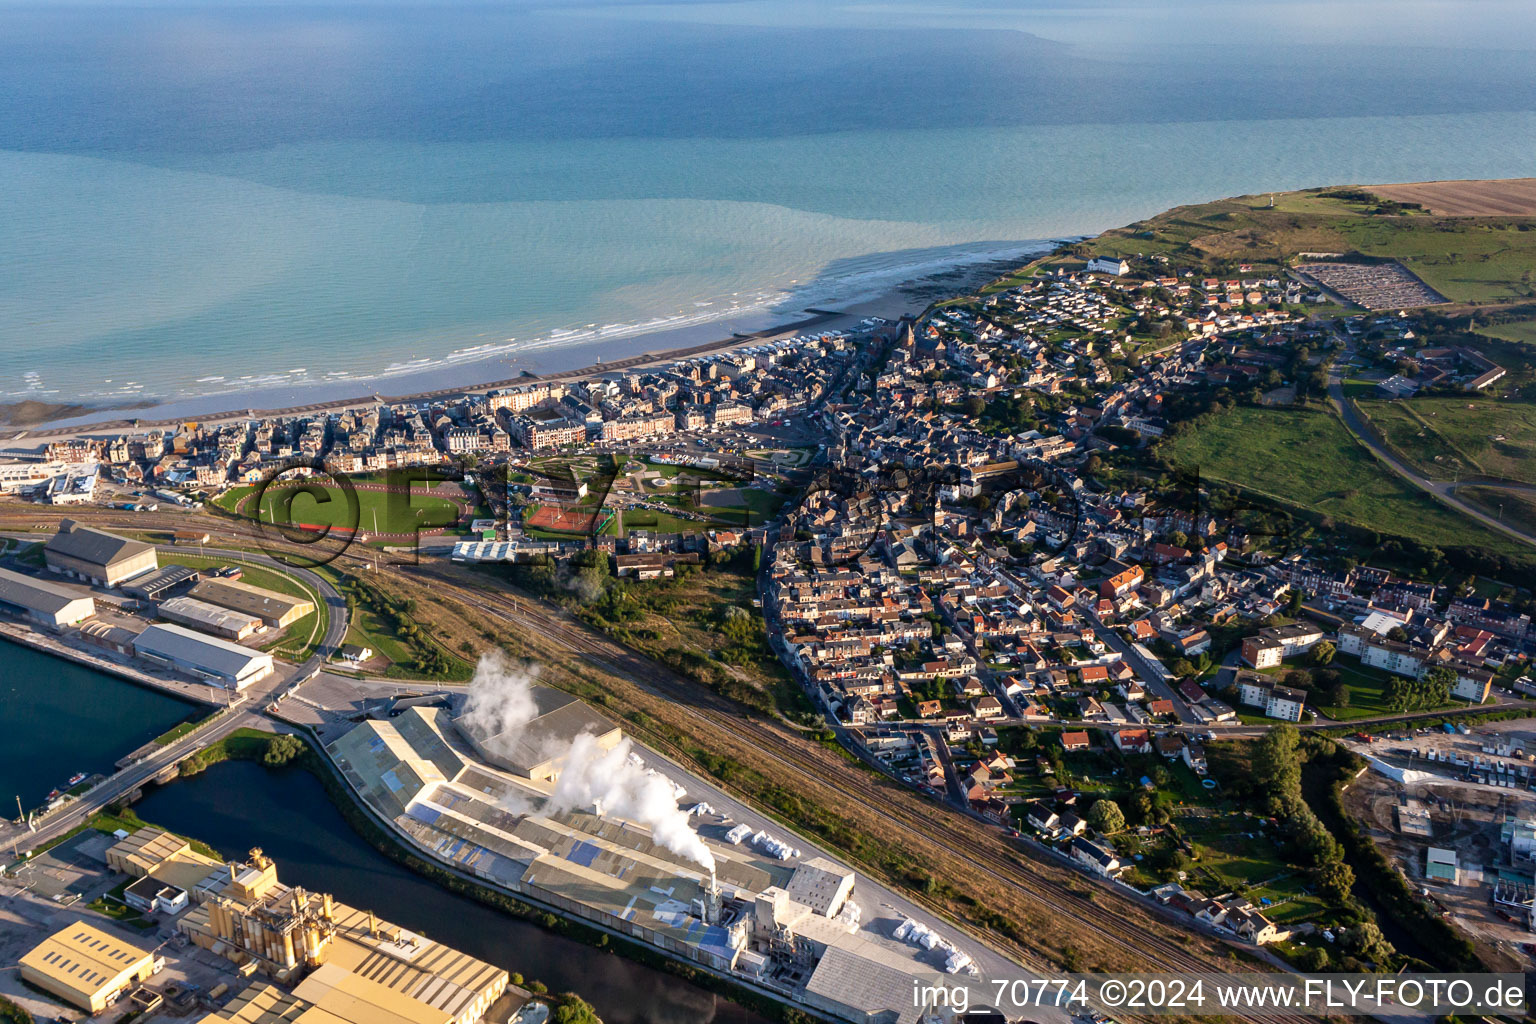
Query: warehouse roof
x: 84, y: 959
x: 146, y: 849
x: 208, y: 652
x: 95, y: 546
x: 863, y: 981
x: 35, y: 594
x: 210, y: 615
x: 242, y: 597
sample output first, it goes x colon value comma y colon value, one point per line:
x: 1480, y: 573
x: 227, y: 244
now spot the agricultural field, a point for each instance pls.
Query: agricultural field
x: 1490, y: 198
x: 1307, y: 457
x: 1521, y: 332
x: 1470, y: 436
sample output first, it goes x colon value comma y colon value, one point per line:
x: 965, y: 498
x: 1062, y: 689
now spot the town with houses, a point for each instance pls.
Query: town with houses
x: 949, y: 566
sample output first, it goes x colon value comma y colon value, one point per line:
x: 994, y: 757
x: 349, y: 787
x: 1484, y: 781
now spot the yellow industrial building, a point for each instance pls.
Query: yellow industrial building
x: 348, y: 966
x: 86, y: 967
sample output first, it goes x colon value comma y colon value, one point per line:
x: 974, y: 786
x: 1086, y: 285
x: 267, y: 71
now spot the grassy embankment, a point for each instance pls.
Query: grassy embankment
x: 1306, y: 458
x: 1448, y: 437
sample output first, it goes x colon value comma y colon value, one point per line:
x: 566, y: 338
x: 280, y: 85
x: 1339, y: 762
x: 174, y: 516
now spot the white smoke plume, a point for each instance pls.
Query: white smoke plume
x: 501, y: 705
x: 500, y: 696
x: 613, y: 784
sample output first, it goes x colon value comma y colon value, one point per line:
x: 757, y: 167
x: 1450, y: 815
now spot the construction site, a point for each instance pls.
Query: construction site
x: 537, y: 794
x: 1455, y: 812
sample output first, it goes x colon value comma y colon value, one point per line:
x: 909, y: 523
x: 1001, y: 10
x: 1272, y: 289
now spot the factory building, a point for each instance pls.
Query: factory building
x: 86, y: 966
x: 47, y: 604
x: 208, y: 618
x: 271, y: 608
x: 160, y: 855
x: 791, y: 927
x: 96, y: 556
x: 528, y: 753
x: 349, y: 965
x: 217, y: 661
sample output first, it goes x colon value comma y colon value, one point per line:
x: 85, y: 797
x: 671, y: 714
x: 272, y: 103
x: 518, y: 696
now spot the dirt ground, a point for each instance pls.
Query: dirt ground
x: 1511, y: 197
x: 1463, y: 818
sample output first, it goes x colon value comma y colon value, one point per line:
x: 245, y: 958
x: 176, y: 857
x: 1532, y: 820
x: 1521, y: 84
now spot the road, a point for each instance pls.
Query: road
x: 246, y: 713
x: 1441, y: 490
x: 335, y: 604
x: 957, y: 833
x: 1154, y: 680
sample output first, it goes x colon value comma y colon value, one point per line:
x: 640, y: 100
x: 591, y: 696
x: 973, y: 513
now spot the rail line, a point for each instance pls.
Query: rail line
x: 711, y: 710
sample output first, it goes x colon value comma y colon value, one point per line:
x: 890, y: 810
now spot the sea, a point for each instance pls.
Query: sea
x: 202, y: 202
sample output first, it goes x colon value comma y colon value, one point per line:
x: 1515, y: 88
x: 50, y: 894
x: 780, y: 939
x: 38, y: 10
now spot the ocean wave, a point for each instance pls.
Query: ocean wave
x: 858, y: 280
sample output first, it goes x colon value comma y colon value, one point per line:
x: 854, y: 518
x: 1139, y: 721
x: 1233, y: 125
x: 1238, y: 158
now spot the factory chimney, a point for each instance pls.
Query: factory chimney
x: 712, y: 901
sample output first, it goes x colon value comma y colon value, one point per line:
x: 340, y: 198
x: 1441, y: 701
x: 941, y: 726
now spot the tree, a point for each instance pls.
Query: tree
x: 1365, y: 941
x: 1299, y: 678
x: 575, y: 1010
x: 282, y: 750
x: 974, y: 406
x: 1275, y: 760
x: 1106, y: 816
x: 1334, y: 879
x: 1323, y: 653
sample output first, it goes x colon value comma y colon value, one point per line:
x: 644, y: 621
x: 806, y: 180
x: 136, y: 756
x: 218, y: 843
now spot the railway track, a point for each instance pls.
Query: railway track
x: 991, y: 853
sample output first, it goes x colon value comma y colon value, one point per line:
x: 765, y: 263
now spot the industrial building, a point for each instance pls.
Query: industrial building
x: 271, y: 608
x: 96, y: 556
x: 159, y: 855
x: 86, y: 966
x: 217, y: 661
x: 529, y: 752
x: 208, y: 618
x: 347, y: 965
x: 792, y: 928
x: 158, y: 586
x: 47, y: 604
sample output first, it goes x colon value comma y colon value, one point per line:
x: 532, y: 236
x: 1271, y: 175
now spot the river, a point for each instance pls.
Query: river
x: 59, y: 718
x: 238, y: 805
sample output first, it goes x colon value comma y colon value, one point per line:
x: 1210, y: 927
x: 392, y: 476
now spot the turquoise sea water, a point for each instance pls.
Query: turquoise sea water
x: 221, y: 198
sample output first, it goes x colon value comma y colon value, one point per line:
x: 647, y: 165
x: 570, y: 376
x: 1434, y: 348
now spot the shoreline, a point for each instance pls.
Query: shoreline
x: 903, y: 298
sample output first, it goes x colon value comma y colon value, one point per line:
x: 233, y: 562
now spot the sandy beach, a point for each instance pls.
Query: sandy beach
x: 567, y: 363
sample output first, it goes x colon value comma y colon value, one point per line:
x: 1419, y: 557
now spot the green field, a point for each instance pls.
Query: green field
x: 1470, y: 436
x: 1415, y: 440
x: 1307, y: 457
x: 1367, y: 691
x: 377, y: 511
x: 1521, y: 332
